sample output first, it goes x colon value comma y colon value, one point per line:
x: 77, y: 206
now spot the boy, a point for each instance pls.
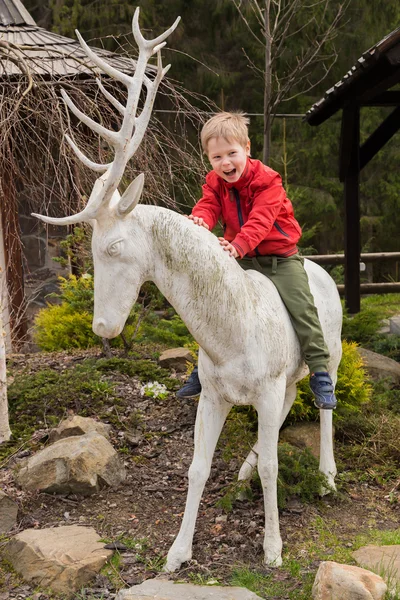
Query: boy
x: 260, y: 232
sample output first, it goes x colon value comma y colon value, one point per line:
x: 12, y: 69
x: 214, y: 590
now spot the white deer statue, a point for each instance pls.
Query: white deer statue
x: 249, y: 352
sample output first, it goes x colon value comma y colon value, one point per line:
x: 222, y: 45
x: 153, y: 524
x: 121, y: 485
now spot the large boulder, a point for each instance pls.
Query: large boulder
x: 379, y: 366
x: 78, y: 465
x: 383, y: 558
x: 344, y: 582
x: 303, y: 435
x: 162, y: 589
x: 8, y: 513
x: 63, y: 558
x: 175, y: 358
x: 76, y: 425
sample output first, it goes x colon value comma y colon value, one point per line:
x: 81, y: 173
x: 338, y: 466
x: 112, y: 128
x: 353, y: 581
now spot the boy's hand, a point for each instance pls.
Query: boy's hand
x: 228, y: 247
x: 198, y: 221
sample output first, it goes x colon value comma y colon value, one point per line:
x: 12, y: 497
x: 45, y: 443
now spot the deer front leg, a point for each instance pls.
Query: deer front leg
x: 211, y: 415
x: 269, y: 413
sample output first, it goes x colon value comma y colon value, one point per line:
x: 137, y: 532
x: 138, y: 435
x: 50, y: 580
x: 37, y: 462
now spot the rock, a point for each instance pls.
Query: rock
x: 303, y: 435
x: 8, y: 513
x: 162, y: 589
x: 343, y: 582
x: 379, y: 366
x: 176, y: 358
x: 78, y: 465
x: 381, y: 558
x: 63, y: 558
x: 76, y: 425
x: 394, y: 325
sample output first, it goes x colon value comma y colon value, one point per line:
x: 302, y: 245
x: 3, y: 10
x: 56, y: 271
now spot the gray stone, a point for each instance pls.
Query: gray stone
x: 303, y: 435
x: 78, y: 465
x: 63, y: 558
x: 162, y: 589
x: 76, y: 425
x: 394, y: 325
x: 344, y: 582
x: 176, y: 358
x: 380, y: 367
x: 381, y: 558
x: 8, y: 513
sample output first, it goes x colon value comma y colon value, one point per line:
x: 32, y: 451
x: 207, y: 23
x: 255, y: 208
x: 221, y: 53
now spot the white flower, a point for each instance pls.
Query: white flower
x: 153, y: 389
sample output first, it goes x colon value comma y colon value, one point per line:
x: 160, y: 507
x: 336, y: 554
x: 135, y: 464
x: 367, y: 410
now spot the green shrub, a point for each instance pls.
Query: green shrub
x: 298, y: 475
x: 353, y: 389
x: 145, y: 370
x: 69, y: 324
x: 363, y: 327
x: 59, y: 328
x: 172, y: 332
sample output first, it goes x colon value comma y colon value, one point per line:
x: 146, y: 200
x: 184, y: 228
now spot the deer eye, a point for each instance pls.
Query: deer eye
x: 114, y: 249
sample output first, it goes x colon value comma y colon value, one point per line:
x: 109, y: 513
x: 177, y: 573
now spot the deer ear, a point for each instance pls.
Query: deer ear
x: 131, y: 196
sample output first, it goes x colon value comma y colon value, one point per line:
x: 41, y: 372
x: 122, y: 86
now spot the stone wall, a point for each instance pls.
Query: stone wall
x: 40, y: 245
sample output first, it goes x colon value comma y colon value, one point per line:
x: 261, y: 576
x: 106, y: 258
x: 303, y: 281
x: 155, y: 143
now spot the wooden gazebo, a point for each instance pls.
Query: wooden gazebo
x: 32, y: 58
x: 368, y: 83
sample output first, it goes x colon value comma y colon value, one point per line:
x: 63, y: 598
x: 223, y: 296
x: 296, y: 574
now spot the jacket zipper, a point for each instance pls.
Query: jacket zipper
x: 238, y: 207
x: 279, y: 228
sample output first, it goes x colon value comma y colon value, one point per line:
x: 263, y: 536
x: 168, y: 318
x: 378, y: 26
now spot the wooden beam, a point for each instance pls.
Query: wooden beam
x: 392, y: 287
x: 339, y: 259
x: 389, y: 98
x: 380, y: 137
x: 351, y: 161
x: 346, y: 142
x: 383, y: 79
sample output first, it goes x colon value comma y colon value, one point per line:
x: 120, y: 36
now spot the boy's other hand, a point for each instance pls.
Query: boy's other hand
x: 228, y: 247
x: 198, y: 221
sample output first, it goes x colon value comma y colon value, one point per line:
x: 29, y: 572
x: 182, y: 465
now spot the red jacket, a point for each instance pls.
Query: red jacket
x: 257, y: 215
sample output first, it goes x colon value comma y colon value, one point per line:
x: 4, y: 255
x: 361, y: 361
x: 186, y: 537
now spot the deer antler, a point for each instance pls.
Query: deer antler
x: 127, y: 140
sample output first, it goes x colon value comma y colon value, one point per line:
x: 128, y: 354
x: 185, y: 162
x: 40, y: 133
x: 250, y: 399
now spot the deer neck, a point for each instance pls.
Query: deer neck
x: 204, y: 285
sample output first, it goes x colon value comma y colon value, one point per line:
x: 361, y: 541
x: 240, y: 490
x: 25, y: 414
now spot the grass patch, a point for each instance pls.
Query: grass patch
x: 362, y: 327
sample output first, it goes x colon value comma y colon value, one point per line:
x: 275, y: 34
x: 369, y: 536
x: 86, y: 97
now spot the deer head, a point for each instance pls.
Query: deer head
x: 106, y: 210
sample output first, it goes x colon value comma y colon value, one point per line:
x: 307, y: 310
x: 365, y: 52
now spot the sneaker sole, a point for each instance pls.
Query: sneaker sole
x: 190, y: 396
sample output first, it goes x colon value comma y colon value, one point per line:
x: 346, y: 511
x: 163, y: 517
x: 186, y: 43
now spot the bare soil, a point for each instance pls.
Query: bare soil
x: 148, y: 508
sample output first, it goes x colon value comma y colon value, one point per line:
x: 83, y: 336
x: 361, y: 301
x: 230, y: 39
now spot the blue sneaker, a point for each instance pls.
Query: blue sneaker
x: 322, y: 387
x: 192, y: 387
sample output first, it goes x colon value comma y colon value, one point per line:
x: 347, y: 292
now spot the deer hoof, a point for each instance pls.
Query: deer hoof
x: 273, y: 560
x: 175, y: 560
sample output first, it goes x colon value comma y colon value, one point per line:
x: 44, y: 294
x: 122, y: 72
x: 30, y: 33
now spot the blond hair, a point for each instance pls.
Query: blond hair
x: 229, y: 125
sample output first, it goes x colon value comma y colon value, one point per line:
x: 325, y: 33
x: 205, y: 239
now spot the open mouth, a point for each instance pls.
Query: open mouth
x: 230, y: 173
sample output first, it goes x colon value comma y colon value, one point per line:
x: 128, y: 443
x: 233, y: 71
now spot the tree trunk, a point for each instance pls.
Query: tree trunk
x: 267, y: 86
x: 5, y: 432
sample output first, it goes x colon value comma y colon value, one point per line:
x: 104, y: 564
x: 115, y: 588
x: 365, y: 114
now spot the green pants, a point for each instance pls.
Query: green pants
x: 290, y: 278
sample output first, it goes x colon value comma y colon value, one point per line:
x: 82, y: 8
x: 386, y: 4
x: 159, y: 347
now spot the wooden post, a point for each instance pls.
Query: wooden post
x: 350, y: 174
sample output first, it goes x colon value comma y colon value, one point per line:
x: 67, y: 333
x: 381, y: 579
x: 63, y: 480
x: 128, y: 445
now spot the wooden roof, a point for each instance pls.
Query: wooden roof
x: 13, y: 12
x: 46, y: 53
x: 366, y: 83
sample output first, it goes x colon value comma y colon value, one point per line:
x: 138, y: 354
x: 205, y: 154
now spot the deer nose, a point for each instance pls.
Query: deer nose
x: 99, y: 326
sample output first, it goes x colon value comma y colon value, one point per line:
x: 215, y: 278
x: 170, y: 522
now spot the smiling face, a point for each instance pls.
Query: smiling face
x: 227, y: 158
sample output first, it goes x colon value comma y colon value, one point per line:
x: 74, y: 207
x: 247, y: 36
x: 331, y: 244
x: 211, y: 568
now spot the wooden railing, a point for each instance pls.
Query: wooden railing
x: 365, y: 288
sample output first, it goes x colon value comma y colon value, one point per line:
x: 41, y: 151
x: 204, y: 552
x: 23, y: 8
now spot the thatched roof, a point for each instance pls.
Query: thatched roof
x: 46, y: 53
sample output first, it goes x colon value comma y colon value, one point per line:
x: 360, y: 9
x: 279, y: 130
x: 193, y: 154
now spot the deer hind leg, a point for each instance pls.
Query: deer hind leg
x: 211, y: 415
x: 327, y: 464
x: 250, y: 463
